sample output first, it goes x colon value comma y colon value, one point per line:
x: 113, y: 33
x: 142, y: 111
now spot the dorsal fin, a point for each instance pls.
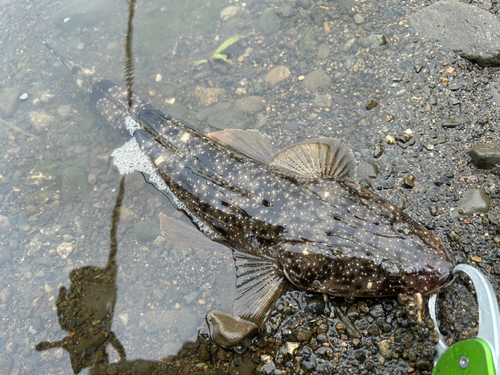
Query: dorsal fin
x: 316, y: 158
x: 251, y: 142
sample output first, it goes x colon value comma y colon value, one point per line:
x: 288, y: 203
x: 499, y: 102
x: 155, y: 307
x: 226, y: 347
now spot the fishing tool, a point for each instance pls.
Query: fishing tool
x: 479, y: 355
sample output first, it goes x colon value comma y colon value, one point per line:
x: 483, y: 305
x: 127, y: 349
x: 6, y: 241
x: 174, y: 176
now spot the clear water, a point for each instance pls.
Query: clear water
x: 58, y: 185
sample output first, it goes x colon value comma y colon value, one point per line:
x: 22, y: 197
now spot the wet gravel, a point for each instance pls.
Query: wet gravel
x: 410, y: 110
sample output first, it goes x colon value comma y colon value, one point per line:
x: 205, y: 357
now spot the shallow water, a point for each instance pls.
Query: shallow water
x: 58, y: 185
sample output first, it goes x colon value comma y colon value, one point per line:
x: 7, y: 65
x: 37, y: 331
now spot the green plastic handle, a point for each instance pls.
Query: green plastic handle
x: 472, y: 356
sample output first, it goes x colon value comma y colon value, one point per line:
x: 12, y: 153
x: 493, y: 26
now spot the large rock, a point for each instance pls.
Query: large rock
x: 229, y: 120
x: 269, y: 22
x: 227, y: 330
x: 276, y: 75
x: 495, y: 92
x: 41, y: 120
x: 230, y: 12
x: 8, y: 100
x: 250, y: 104
x: 466, y: 29
x: 204, y: 114
x: 4, y: 224
x: 453, y: 122
x: 485, y: 156
x: 207, y: 95
x: 317, y: 79
x: 307, y: 40
x: 474, y: 201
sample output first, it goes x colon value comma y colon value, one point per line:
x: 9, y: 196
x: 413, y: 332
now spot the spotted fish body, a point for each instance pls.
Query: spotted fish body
x: 295, y: 217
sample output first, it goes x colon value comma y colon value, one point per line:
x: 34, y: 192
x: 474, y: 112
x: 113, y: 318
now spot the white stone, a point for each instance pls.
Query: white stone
x: 230, y: 12
x: 64, y: 249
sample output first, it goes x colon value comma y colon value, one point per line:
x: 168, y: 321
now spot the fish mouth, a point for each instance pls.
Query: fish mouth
x: 450, y: 279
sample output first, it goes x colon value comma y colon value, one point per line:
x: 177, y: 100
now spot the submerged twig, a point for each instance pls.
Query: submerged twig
x: 20, y: 130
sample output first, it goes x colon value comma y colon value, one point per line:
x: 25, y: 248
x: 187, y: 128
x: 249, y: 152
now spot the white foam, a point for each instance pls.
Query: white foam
x: 130, y: 158
x: 131, y: 125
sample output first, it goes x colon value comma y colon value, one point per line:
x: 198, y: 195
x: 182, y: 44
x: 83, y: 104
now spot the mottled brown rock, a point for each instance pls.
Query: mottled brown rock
x: 250, y: 104
x: 227, y: 330
x: 208, y: 96
x: 276, y: 76
x: 317, y: 80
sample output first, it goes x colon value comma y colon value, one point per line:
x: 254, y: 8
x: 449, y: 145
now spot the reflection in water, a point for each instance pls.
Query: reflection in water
x: 87, y: 309
x: 129, y: 63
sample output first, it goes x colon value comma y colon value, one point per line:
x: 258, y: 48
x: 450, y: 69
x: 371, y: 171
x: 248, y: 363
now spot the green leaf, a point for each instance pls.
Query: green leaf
x: 199, y: 62
x: 221, y: 57
x: 218, y: 55
x: 227, y: 43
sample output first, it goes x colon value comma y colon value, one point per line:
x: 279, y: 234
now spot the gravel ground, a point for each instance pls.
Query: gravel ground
x: 320, y: 70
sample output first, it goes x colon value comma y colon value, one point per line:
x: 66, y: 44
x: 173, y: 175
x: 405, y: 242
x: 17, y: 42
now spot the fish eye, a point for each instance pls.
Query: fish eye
x: 392, y: 269
x: 402, y: 227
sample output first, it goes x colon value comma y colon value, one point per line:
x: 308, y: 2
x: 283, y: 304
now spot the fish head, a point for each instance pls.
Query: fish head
x: 422, y: 267
x: 364, y: 246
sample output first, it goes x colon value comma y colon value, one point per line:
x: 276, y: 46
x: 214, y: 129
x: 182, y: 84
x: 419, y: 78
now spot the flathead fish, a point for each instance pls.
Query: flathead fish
x: 293, y: 216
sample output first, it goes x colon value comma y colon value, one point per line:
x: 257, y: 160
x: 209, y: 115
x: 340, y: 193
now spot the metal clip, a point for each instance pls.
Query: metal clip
x: 489, y: 315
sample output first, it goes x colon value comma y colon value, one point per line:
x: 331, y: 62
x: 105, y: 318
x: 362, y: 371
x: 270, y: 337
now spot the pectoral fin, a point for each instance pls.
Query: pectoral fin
x: 259, y: 283
x: 249, y: 142
x: 316, y: 159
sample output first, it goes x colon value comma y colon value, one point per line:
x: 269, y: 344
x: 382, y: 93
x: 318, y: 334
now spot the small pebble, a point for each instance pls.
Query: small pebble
x: 409, y: 182
x: 379, y: 150
x: 359, y: 19
x: 92, y: 179
x: 453, y: 236
x: 433, y: 209
x: 403, y: 299
x: 422, y: 364
x: 64, y: 249
x: 371, y: 104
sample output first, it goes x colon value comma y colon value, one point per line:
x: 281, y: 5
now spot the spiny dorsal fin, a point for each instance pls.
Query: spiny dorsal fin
x: 259, y: 284
x: 316, y: 159
x: 249, y: 142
